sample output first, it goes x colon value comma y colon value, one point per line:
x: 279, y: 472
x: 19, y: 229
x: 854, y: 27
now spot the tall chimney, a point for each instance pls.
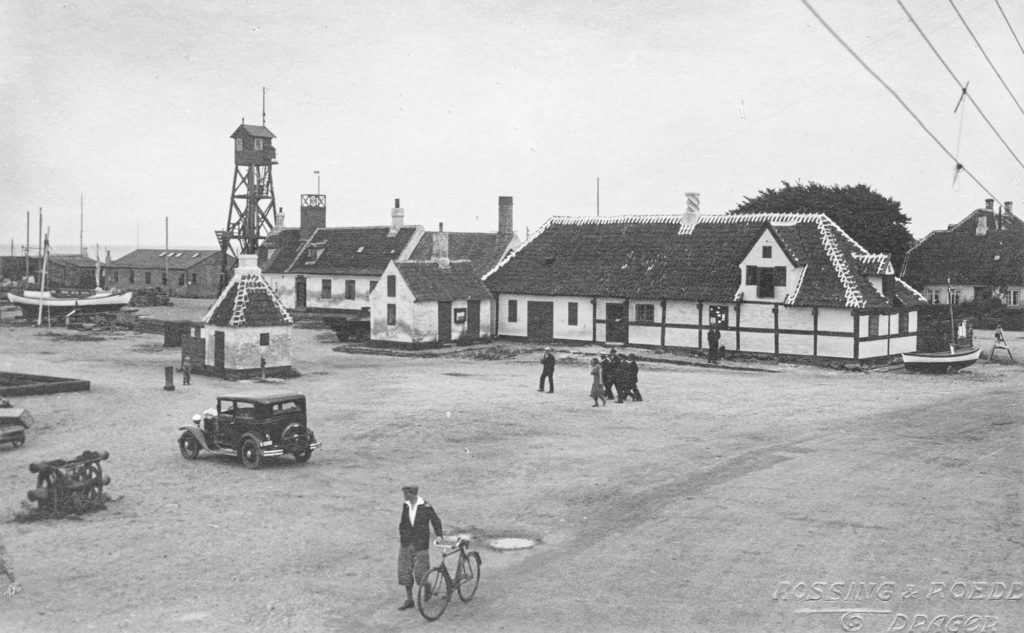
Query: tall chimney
x: 988, y: 204
x: 397, y: 219
x: 692, y: 214
x: 1008, y: 207
x: 312, y: 213
x: 440, y: 252
x: 505, y: 215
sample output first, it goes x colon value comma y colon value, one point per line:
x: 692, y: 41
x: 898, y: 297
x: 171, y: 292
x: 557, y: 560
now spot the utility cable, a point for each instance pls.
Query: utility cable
x: 1019, y: 45
x: 993, y: 66
x: 963, y: 86
x: 959, y: 166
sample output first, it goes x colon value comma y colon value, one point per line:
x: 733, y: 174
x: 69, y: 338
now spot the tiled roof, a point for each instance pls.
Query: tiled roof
x: 482, y: 250
x: 285, y: 245
x: 962, y: 256
x: 248, y: 301
x: 430, y: 282
x: 253, y: 130
x: 663, y: 257
x: 352, y: 250
x: 176, y: 259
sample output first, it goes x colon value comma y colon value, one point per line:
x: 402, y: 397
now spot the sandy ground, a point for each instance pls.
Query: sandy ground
x: 700, y: 508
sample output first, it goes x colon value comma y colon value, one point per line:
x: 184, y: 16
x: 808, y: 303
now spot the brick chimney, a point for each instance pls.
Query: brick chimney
x: 982, y: 229
x: 505, y: 215
x: 1008, y: 207
x: 440, y: 252
x: 692, y: 214
x: 312, y: 214
x: 397, y: 218
x: 988, y: 203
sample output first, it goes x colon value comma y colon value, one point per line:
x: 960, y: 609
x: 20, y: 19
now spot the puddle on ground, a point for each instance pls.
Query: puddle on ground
x: 511, y: 543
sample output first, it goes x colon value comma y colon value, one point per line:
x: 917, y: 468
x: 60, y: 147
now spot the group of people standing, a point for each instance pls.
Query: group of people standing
x: 616, y: 372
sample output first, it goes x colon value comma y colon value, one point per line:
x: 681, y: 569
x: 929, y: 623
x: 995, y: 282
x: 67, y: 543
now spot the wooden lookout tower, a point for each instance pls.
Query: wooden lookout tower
x: 253, y: 207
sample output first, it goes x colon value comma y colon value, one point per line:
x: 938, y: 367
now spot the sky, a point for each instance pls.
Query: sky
x: 125, y: 109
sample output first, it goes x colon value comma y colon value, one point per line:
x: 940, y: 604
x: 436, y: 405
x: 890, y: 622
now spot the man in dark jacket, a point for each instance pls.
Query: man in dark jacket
x: 548, y: 361
x: 615, y: 370
x: 713, y: 337
x: 632, y: 373
x: 606, y: 376
x: 414, y: 541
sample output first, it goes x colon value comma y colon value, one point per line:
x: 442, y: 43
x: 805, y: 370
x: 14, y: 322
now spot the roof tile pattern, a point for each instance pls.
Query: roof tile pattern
x: 430, y: 282
x: 248, y: 301
x: 660, y: 257
x: 964, y: 257
x: 352, y: 250
x: 482, y: 250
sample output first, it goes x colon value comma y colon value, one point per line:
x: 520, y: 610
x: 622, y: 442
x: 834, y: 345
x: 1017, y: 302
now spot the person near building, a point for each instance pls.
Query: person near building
x: 548, y: 361
x: 713, y: 337
x: 597, y: 386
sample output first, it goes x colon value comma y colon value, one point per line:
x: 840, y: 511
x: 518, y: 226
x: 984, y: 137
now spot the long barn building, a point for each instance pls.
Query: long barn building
x: 783, y: 284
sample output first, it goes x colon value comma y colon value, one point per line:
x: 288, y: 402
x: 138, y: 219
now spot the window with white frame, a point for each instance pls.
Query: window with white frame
x: 1013, y: 298
x: 645, y: 312
x: 934, y: 296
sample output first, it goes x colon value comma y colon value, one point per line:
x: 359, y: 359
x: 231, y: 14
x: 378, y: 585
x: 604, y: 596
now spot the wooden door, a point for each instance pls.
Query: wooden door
x: 616, y: 323
x: 540, y: 321
x: 444, y: 321
x: 218, y: 351
x: 300, y: 292
x: 473, y: 319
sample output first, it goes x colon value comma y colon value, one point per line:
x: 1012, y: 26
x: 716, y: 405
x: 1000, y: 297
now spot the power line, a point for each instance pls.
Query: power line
x: 993, y: 66
x: 1010, y: 26
x: 839, y: 39
x: 963, y: 87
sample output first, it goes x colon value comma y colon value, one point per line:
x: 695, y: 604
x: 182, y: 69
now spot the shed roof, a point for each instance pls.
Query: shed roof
x: 664, y: 257
x: 962, y: 256
x: 429, y: 282
x: 176, y: 259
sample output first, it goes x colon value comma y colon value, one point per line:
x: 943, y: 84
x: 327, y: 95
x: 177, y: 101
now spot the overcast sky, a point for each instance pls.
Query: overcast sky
x: 449, y: 105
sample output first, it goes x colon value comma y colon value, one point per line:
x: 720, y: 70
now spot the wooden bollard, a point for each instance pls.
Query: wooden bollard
x: 169, y: 378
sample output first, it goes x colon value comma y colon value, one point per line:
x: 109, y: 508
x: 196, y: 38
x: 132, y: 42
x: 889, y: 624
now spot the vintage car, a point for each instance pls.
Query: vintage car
x: 251, y: 427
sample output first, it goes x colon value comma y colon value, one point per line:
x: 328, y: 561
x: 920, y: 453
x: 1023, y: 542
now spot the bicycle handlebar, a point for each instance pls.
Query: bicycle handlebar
x: 459, y: 541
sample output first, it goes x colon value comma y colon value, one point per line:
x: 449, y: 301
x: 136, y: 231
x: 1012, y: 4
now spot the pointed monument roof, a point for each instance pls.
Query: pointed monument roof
x: 248, y: 301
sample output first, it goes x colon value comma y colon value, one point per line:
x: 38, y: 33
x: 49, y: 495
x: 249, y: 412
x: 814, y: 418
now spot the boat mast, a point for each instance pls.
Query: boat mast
x: 952, y: 321
x: 42, y: 279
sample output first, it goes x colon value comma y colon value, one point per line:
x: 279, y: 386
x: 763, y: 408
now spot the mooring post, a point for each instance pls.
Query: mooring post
x: 169, y: 378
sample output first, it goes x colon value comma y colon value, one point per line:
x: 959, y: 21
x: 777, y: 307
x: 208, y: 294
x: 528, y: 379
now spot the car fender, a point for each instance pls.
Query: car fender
x: 196, y: 433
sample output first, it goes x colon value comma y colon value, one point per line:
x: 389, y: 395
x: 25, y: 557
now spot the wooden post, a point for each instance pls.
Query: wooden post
x: 169, y: 378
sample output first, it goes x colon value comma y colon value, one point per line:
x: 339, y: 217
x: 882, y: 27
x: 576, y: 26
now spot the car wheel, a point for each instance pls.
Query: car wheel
x: 304, y: 456
x: 250, y: 453
x: 189, y: 445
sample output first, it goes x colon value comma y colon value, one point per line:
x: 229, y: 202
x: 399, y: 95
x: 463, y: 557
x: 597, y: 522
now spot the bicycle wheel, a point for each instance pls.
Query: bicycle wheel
x: 468, y: 575
x: 433, y: 594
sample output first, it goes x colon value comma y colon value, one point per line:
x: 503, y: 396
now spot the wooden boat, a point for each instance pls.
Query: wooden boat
x: 940, y: 362
x: 58, y: 304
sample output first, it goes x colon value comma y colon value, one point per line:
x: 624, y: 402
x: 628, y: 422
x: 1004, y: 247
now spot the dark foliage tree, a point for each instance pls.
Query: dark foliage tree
x: 874, y: 221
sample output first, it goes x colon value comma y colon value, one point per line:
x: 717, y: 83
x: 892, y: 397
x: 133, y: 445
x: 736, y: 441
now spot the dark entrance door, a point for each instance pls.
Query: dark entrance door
x: 473, y: 319
x: 218, y: 351
x: 616, y: 324
x: 444, y: 321
x: 300, y: 292
x: 540, y: 320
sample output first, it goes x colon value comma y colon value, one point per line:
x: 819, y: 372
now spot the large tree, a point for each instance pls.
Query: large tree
x: 875, y: 221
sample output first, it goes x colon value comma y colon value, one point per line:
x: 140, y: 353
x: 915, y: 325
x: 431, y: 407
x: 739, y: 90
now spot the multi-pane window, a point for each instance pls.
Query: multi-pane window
x: 259, y: 143
x: 513, y: 310
x: 194, y: 278
x: 350, y: 289
x: 904, y: 322
x: 872, y: 325
x: 766, y: 279
x: 934, y: 296
x: 181, y: 280
x: 719, y: 315
x: 1013, y: 298
x: 149, y: 278
x: 391, y: 285
x: 113, y: 276
x: 574, y: 313
x: 766, y: 252
x: 238, y: 145
x: 264, y: 338
x: 645, y: 312
x: 392, y: 314
x: 955, y: 296
x: 131, y: 276
x: 325, y: 288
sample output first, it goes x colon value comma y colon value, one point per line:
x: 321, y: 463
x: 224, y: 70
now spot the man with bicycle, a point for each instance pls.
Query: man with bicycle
x: 414, y: 541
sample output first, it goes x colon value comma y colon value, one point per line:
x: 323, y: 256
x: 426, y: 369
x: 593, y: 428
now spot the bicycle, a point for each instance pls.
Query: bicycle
x: 435, y: 591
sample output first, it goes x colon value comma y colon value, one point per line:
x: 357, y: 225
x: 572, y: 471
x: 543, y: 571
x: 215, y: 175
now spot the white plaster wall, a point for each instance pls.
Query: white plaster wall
x: 406, y: 313
x: 645, y: 334
x: 796, y: 318
x: 873, y: 349
x: 284, y: 288
x: 584, y: 328
x: 338, y: 300
x: 835, y: 346
x: 756, y: 342
x: 756, y: 315
x: 834, y: 320
x: 778, y: 258
x: 903, y: 344
x: 800, y: 344
x: 243, y: 351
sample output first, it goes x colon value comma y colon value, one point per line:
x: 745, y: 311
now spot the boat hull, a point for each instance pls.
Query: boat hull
x: 940, y: 362
x: 57, y: 306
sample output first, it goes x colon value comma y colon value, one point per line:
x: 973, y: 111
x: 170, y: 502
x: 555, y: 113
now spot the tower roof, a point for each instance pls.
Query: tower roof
x: 252, y: 130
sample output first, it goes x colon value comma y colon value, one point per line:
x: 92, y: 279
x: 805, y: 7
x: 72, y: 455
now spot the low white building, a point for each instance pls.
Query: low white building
x: 782, y: 284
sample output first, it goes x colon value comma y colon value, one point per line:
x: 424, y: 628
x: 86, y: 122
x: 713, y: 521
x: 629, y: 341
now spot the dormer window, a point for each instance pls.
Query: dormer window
x: 259, y: 143
x: 312, y: 254
x: 766, y: 252
x: 238, y: 145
